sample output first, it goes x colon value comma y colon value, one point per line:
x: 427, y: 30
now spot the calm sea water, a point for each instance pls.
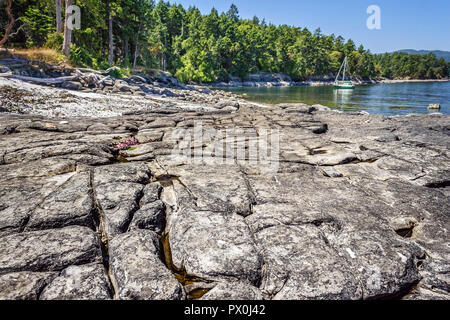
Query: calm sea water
x: 386, y: 99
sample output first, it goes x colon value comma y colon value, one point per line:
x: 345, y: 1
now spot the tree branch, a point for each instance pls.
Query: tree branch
x: 18, y: 29
x: 11, y: 23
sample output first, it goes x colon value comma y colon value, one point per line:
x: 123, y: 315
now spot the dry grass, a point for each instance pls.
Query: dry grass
x: 46, y: 55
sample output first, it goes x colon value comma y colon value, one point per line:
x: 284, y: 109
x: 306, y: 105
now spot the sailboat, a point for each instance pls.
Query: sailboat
x: 343, y: 84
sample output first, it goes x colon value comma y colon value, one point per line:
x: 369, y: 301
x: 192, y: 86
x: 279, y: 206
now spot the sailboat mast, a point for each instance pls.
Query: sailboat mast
x: 340, y: 69
x: 345, y: 68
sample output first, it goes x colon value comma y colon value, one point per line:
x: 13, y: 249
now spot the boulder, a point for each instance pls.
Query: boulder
x: 108, y: 82
x: 138, y: 79
x: 168, y: 93
x: 121, y: 86
x: 227, y: 103
x: 72, y: 85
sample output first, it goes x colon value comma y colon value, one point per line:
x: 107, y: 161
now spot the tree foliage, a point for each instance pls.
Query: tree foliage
x: 210, y: 47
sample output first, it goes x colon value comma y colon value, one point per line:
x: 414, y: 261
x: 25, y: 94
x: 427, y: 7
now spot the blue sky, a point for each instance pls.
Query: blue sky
x: 412, y: 24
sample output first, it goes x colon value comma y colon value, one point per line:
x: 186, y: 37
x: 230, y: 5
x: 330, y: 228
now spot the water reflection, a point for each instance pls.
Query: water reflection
x: 342, y: 96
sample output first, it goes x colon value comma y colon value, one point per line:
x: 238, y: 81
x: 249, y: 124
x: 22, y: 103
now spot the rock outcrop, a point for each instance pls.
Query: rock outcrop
x: 357, y: 207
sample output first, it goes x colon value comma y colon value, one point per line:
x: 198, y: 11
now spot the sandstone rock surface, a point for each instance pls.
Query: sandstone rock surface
x: 356, y: 206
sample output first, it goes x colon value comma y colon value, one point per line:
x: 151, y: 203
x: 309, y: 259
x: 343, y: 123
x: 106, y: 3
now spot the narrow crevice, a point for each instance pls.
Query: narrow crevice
x: 99, y: 219
x: 140, y: 195
x: 166, y: 252
x: 313, y: 152
x: 166, y: 180
x: 406, y: 232
x: 118, y: 157
x: 384, y: 154
x: 321, y: 130
x: 180, y: 273
x: 271, y: 295
x: 438, y: 184
x: 41, y: 290
x: 252, y: 202
x: 250, y: 193
x: 198, y: 293
x: 403, y: 292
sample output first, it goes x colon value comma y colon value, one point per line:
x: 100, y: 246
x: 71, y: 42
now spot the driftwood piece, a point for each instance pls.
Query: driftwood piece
x: 99, y: 72
x: 86, y: 70
x: 5, y: 72
x: 88, y: 79
x: 12, y: 61
x: 44, y: 80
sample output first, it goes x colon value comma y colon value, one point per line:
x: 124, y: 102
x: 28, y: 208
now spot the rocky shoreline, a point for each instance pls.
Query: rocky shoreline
x: 281, y: 80
x: 116, y: 98
x: 262, y: 84
x: 95, y: 205
x: 33, y: 87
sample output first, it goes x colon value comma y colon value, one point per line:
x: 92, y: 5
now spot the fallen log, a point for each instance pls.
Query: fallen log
x: 5, y: 72
x: 86, y: 70
x: 12, y: 61
x: 14, y: 66
x: 98, y: 72
x: 43, y: 80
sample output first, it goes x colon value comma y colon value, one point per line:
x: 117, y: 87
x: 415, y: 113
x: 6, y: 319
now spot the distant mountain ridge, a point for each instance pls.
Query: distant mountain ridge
x: 438, y: 53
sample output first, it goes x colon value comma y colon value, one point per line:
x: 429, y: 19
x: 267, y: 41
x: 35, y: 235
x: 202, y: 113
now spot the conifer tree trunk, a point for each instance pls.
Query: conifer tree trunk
x: 125, y: 50
x: 67, y: 30
x: 110, y: 35
x: 59, y: 28
x: 136, y: 48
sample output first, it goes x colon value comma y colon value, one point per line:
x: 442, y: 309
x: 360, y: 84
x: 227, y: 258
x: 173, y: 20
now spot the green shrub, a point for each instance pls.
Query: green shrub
x: 119, y: 73
x: 116, y: 73
x: 55, y: 41
x: 80, y: 56
x: 103, y: 65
